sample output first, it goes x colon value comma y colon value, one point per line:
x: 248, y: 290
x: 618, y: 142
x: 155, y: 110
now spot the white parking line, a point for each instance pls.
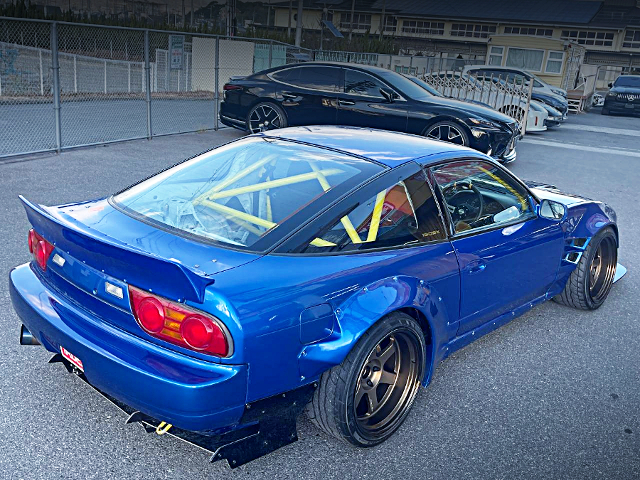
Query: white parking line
x: 608, y: 130
x: 584, y: 148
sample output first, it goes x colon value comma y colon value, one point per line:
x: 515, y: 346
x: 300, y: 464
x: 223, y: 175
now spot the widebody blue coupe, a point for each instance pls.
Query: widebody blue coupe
x: 325, y: 269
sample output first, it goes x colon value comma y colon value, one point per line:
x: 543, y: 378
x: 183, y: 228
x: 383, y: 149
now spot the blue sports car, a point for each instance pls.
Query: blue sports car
x: 325, y: 269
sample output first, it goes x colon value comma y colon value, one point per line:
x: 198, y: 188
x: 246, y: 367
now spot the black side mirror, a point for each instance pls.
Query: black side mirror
x: 552, y: 210
x: 388, y: 94
x: 610, y: 85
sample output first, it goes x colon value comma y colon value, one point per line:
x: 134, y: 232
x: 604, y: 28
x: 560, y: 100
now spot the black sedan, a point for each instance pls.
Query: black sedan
x: 624, y: 96
x: 362, y: 96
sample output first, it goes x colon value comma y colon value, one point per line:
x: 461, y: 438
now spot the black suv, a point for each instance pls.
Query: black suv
x: 624, y: 96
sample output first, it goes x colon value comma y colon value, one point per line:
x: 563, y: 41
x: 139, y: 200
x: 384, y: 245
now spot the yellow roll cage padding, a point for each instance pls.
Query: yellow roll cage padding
x: 511, y: 190
x: 248, y: 221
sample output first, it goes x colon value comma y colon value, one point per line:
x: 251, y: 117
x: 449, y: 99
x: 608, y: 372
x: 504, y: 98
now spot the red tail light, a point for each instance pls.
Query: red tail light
x: 39, y: 248
x: 230, y: 86
x: 178, y: 324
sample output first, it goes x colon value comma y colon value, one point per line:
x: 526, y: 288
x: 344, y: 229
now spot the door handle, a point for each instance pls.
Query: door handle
x: 289, y: 96
x: 346, y: 102
x: 476, y: 266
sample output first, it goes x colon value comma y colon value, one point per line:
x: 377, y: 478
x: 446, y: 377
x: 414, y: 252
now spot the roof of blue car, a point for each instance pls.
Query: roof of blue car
x: 389, y: 148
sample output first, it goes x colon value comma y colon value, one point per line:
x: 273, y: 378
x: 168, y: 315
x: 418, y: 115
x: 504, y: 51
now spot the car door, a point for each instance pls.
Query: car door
x: 308, y: 93
x: 507, y: 254
x: 362, y: 104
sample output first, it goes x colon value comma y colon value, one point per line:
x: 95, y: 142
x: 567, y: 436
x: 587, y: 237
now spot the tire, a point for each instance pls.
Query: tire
x: 605, y: 111
x: 265, y: 116
x: 333, y: 408
x: 588, y: 287
x: 438, y: 131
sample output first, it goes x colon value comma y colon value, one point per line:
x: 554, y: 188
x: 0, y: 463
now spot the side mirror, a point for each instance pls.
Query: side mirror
x: 611, y: 85
x: 387, y: 94
x: 552, y: 210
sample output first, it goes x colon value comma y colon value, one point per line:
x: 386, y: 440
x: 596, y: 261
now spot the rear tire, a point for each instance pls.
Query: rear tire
x: 365, y: 399
x: 591, y: 281
x: 266, y: 116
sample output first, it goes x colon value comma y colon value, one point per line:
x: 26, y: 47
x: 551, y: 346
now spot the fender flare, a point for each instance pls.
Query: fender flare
x: 368, y: 305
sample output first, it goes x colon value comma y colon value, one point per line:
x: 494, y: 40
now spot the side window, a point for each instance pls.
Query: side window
x: 359, y: 83
x: 480, y: 194
x: 404, y: 213
x: 326, y: 79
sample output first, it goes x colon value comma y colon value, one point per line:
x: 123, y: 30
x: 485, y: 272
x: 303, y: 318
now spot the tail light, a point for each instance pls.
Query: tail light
x: 178, y: 324
x: 231, y: 86
x: 39, y: 248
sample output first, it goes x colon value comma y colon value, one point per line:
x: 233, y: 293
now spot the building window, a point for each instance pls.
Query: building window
x: 472, y: 30
x: 538, y: 32
x: 361, y: 21
x: 588, y: 37
x: 554, y: 62
x: 526, y: 59
x: 418, y: 26
x: 390, y: 24
x: 495, y: 56
x: 631, y: 39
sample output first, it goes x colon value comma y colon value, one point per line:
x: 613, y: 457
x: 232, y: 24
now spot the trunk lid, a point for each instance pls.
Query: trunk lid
x: 101, y: 245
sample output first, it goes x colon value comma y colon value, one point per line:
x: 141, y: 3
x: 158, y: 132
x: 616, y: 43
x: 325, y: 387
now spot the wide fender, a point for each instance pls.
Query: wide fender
x: 368, y: 305
x: 583, y: 222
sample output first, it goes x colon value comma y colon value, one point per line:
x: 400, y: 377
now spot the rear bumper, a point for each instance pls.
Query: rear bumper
x: 189, y: 393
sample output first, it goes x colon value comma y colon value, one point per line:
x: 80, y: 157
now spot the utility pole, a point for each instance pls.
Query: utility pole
x: 299, y: 24
x: 184, y: 18
x: 290, y: 15
x: 353, y: 9
x: 191, y: 13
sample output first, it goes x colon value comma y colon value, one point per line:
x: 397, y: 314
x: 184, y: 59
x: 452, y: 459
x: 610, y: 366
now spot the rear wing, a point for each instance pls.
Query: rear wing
x: 169, y: 277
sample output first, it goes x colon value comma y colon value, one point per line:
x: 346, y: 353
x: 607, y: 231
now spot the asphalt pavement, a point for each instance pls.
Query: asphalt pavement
x: 555, y: 394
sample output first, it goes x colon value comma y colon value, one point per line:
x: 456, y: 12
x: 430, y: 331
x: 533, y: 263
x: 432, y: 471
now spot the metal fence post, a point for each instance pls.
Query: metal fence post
x: 270, y: 52
x: 147, y: 82
x: 216, y: 89
x: 55, y: 67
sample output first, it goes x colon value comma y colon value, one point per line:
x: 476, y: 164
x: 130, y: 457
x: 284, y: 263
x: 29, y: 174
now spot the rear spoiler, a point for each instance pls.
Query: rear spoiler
x: 169, y: 277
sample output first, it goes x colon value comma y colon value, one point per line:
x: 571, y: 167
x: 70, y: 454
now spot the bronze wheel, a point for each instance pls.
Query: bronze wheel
x: 590, y: 283
x: 602, y: 269
x: 367, y: 397
x: 387, y: 383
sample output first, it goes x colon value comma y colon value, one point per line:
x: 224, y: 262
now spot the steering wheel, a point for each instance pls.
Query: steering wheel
x: 464, y: 201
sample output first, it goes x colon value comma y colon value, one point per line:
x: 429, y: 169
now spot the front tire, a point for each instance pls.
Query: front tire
x: 447, y: 131
x: 365, y: 399
x: 265, y: 116
x: 591, y: 281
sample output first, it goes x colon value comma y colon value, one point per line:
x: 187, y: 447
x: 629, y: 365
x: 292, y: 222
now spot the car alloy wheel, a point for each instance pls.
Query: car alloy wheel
x: 602, y: 269
x: 448, y: 132
x: 367, y: 397
x: 387, y: 383
x: 265, y: 117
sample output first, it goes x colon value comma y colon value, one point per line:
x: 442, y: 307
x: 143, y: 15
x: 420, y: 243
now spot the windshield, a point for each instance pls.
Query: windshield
x: 628, y: 81
x: 426, y: 86
x: 239, y: 193
x: 405, y: 85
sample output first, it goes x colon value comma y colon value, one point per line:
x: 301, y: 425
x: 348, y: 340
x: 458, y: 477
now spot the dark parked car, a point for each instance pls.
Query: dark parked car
x: 624, y: 96
x: 362, y: 96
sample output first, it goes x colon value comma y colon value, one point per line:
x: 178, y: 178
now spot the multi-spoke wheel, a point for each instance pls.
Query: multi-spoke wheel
x: 447, y: 131
x: 591, y: 281
x: 367, y: 397
x: 265, y: 116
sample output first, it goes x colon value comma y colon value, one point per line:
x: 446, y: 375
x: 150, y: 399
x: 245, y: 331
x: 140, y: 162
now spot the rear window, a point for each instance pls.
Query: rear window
x: 238, y: 194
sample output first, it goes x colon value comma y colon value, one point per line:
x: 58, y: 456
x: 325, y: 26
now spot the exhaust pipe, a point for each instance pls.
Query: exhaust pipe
x: 26, y: 337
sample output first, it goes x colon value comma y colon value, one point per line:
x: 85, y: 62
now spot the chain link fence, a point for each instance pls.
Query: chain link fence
x: 65, y: 85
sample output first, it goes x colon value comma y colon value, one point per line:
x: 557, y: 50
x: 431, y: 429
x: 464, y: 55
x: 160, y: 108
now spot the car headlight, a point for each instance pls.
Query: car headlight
x: 479, y: 122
